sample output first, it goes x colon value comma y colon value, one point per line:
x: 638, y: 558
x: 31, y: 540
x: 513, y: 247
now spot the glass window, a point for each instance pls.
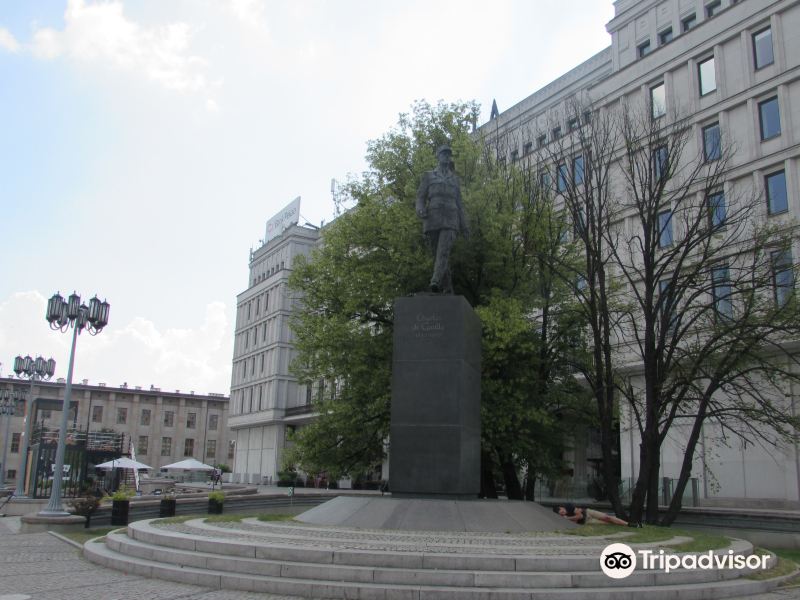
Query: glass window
x: 141, y: 447
x: 769, y: 116
x: 15, y: 439
x: 573, y: 123
x: 660, y: 163
x: 577, y: 170
x: 12, y: 474
x: 782, y: 276
x: 777, y: 199
x: 145, y: 420
x: 563, y: 177
x: 188, y: 447
x: 97, y: 414
x: 711, y: 142
x: 717, y: 211
x: 688, y: 23
x: 556, y: 133
x: 169, y: 418
x: 528, y: 147
x: 231, y: 448
x: 122, y: 416
x: 541, y: 141
x: 212, y: 422
x: 707, y: 76
x: 723, y: 305
x: 643, y: 49
x: 665, y: 37
x: 211, y: 448
x: 166, y: 446
x: 658, y: 101
x: 665, y: 228
x: 713, y: 8
x: 762, y: 48
x: 191, y: 420
x: 667, y: 303
x: 545, y: 180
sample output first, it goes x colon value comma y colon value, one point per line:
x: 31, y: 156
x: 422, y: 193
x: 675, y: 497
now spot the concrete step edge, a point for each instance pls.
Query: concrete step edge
x: 591, y: 577
x: 101, y: 554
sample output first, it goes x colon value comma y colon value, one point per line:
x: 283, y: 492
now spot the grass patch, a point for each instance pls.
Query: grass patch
x: 87, y: 534
x: 636, y: 535
x: 226, y: 518
x: 180, y: 519
x: 700, y: 542
x: 275, y: 517
x: 790, y: 554
x: 783, y: 568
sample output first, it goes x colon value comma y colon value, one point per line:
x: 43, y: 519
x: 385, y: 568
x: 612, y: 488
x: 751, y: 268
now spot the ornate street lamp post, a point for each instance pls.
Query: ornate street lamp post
x: 61, y: 314
x: 33, y: 370
x: 8, y: 406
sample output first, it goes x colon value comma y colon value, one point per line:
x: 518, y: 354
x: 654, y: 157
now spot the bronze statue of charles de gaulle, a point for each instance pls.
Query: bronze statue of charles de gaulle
x: 440, y: 207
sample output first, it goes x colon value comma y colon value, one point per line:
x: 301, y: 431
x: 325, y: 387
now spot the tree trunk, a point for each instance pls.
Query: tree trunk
x: 488, y: 489
x: 509, y: 469
x: 686, y: 468
x: 530, y: 486
x: 653, y: 486
x: 639, y: 495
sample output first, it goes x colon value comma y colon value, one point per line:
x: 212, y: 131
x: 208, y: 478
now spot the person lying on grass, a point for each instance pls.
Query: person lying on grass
x: 582, y: 515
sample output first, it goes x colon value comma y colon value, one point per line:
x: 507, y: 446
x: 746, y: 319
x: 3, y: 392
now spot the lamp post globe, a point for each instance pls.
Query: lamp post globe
x: 63, y: 314
x: 33, y: 369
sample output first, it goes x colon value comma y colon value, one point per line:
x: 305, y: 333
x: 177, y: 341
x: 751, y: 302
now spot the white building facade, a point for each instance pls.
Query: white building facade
x: 266, y: 399
x: 730, y: 65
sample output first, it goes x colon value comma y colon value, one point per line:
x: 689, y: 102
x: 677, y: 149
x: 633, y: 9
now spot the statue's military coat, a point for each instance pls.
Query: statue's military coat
x: 439, y: 196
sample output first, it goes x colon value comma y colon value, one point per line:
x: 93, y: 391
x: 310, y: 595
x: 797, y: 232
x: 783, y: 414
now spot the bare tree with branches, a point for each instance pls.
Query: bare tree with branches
x: 686, y: 294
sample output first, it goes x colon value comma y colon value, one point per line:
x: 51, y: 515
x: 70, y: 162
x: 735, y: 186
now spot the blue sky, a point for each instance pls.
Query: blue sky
x: 144, y: 144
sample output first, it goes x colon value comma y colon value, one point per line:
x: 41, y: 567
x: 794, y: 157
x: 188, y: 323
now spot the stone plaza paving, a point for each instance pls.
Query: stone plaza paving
x: 40, y: 566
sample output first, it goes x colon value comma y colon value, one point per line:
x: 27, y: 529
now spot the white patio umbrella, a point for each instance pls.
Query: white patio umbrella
x: 190, y: 464
x: 123, y: 462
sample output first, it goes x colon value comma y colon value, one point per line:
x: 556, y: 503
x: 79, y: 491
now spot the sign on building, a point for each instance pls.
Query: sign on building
x: 288, y: 216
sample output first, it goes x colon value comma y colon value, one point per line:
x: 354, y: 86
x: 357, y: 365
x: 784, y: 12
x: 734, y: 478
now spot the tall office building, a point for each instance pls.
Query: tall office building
x: 732, y: 67
x: 265, y: 399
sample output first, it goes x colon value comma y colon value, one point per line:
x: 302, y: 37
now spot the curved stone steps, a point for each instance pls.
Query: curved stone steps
x: 396, y: 575
x: 318, y: 565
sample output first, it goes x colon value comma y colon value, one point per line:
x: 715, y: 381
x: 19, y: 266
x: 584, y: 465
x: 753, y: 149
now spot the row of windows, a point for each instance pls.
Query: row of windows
x: 142, y: 447
x: 722, y: 290
x: 144, y: 418
x: 255, y: 305
x: 706, y: 72
x: 665, y: 36
x: 776, y: 198
x: 260, y: 332
x: 268, y: 273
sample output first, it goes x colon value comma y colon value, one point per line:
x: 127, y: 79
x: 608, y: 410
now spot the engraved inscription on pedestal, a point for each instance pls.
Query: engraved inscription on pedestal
x: 435, y: 417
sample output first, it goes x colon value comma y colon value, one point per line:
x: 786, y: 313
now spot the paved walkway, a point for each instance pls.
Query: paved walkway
x: 40, y: 566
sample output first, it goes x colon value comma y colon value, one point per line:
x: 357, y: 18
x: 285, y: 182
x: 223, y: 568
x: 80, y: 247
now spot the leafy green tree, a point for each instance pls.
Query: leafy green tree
x: 374, y: 252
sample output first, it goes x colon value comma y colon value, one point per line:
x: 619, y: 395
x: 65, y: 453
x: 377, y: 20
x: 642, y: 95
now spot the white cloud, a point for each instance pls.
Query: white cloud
x: 250, y: 12
x: 102, y: 33
x: 8, y: 41
x: 192, y: 359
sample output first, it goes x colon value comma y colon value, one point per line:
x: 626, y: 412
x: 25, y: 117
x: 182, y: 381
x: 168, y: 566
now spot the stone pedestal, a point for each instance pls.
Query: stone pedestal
x: 436, y: 413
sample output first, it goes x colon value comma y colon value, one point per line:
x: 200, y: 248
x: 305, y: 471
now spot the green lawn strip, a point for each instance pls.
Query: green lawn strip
x: 180, y: 519
x: 637, y: 535
x: 700, y: 542
x: 227, y: 518
x: 785, y: 566
x: 275, y: 517
x: 85, y: 535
